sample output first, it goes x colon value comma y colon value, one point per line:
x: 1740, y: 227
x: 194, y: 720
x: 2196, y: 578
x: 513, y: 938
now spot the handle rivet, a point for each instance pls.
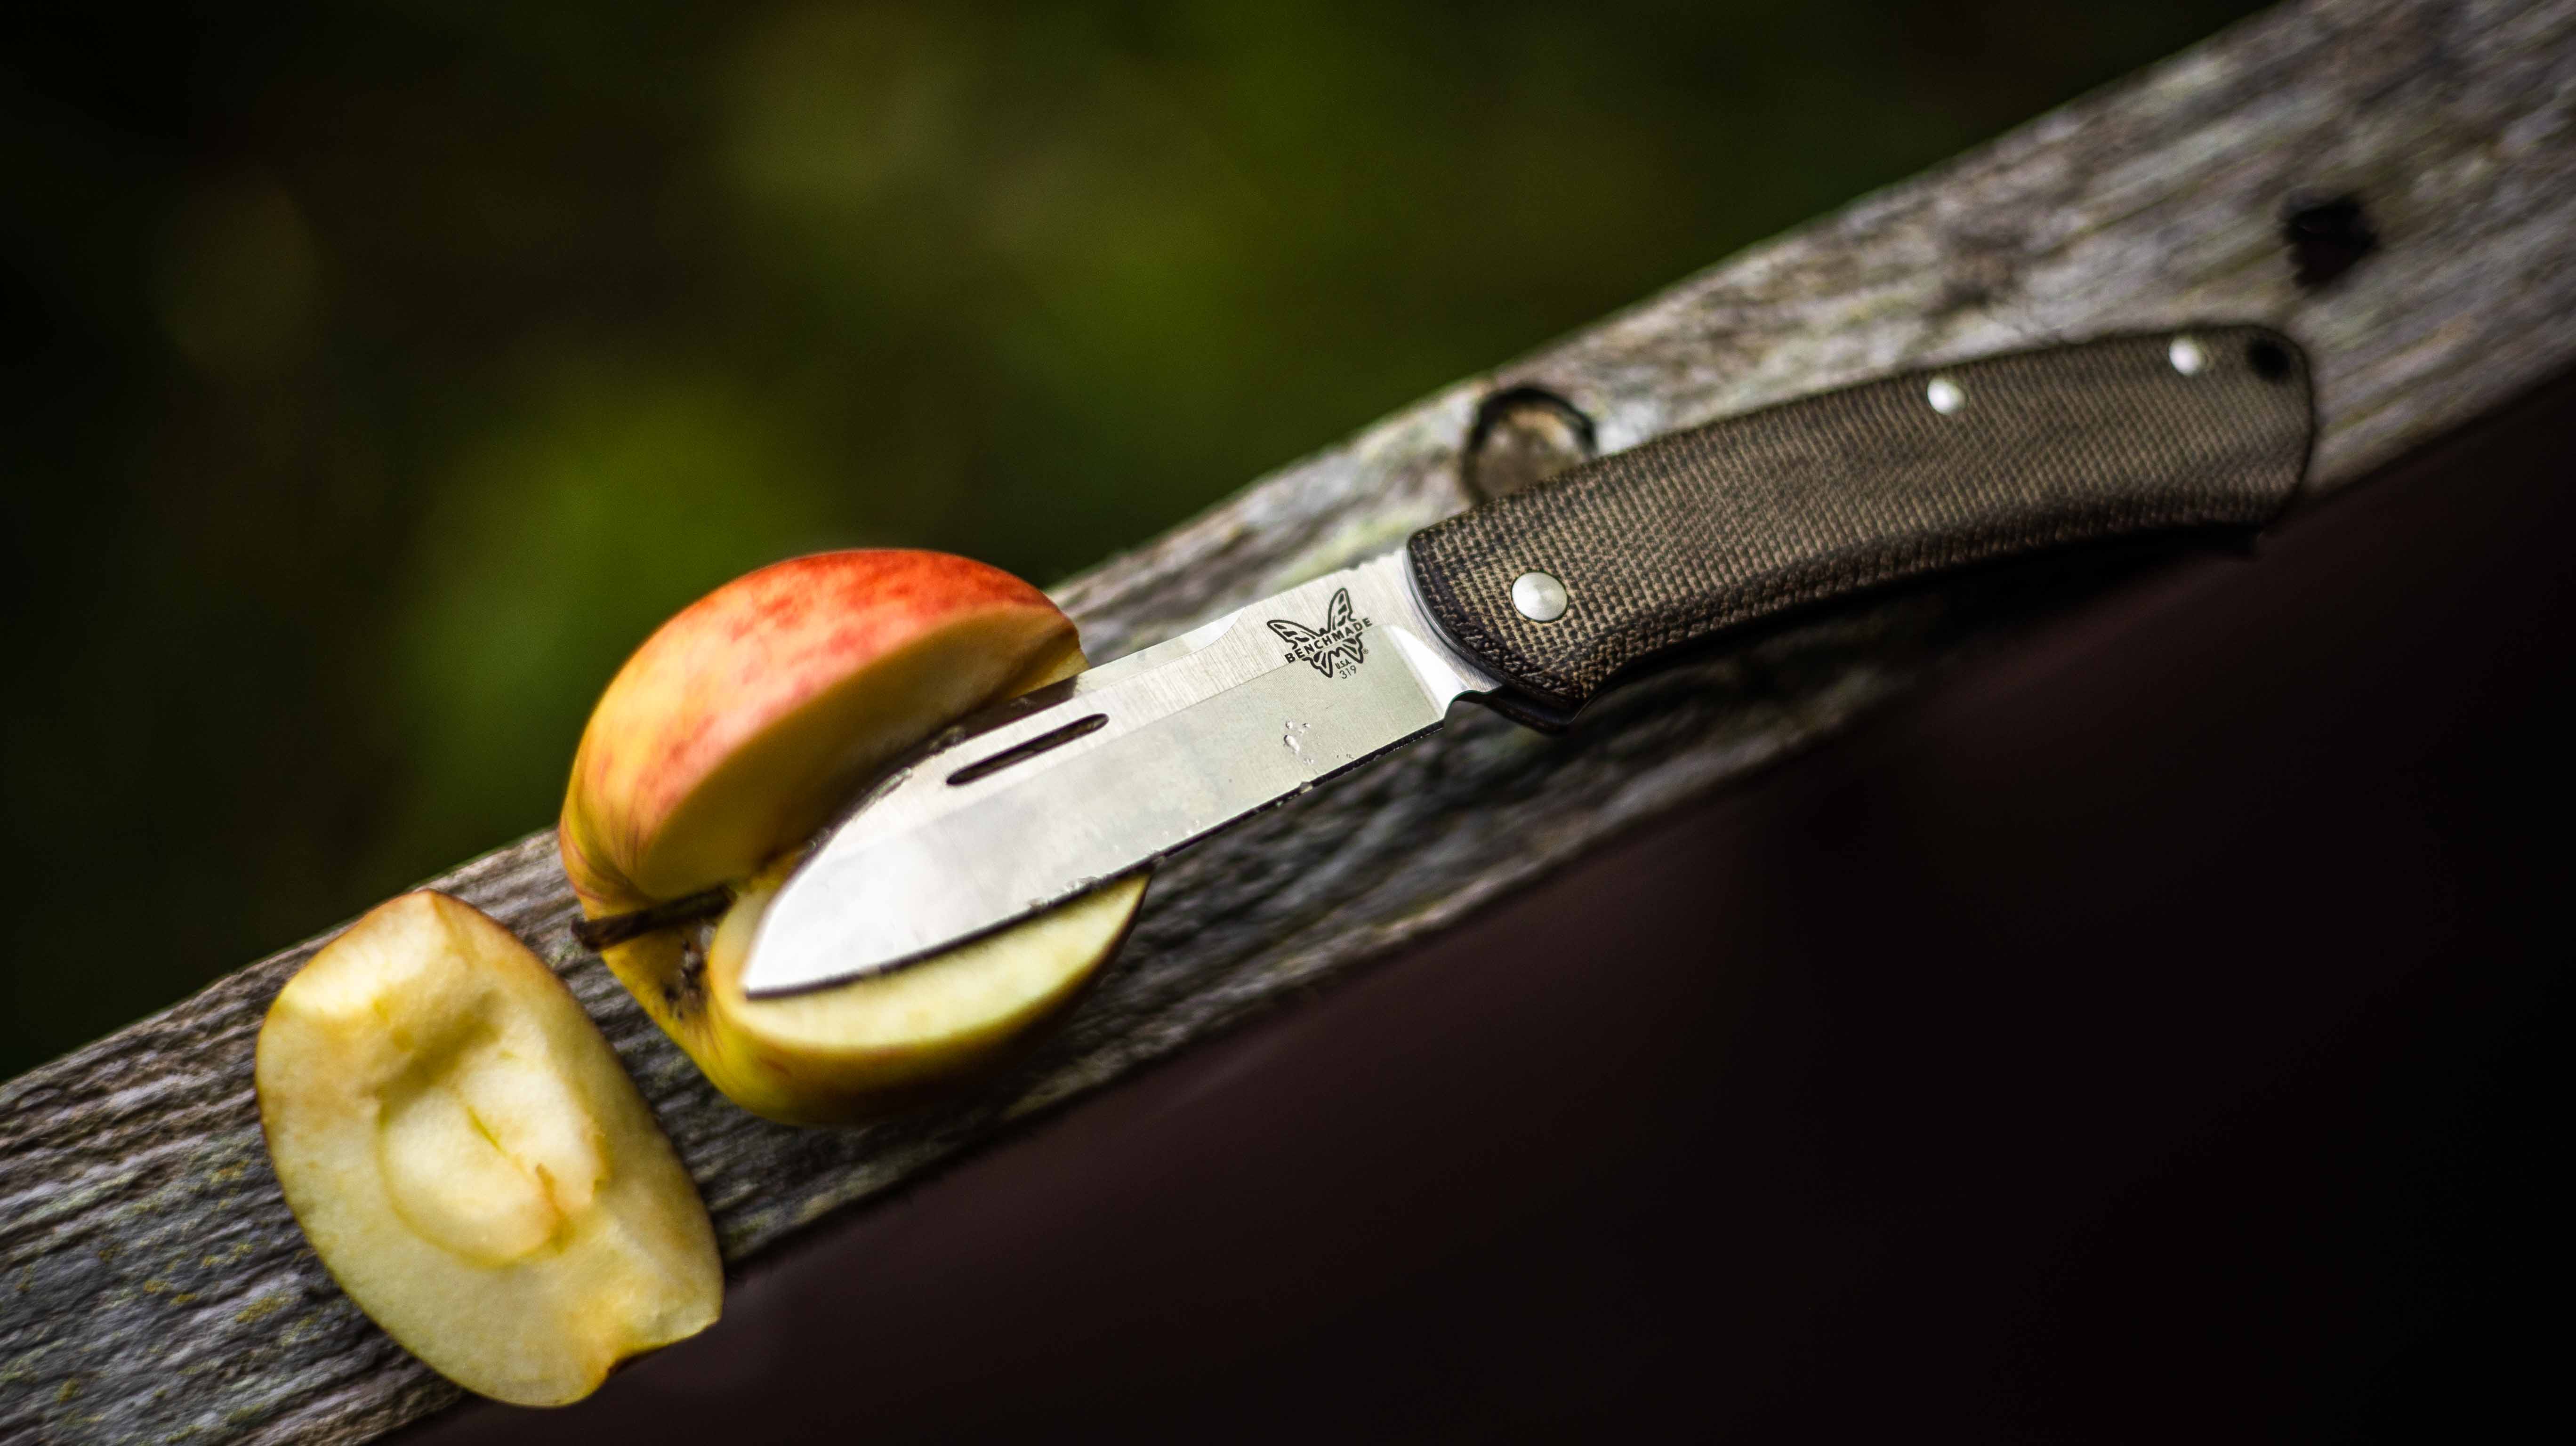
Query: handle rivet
x: 2186, y: 356
x: 1540, y: 598
x: 1945, y: 396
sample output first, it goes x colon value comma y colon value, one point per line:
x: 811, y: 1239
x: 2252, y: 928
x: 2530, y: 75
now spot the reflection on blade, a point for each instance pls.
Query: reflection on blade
x: 1125, y: 764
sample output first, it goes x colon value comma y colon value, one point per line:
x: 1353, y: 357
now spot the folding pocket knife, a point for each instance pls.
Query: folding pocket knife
x: 1533, y: 604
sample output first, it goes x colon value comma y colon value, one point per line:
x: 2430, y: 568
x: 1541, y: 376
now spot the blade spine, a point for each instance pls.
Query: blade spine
x: 1023, y: 727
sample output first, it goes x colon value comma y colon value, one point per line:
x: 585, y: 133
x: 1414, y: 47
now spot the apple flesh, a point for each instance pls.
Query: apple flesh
x: 736, y: 731
x: 873, y: 1046
x: 471, y: 1162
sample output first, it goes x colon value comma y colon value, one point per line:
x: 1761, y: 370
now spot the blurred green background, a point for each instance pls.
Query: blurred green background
x: 378, y: 375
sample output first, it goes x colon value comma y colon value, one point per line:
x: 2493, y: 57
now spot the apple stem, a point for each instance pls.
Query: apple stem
x: 616, y: 929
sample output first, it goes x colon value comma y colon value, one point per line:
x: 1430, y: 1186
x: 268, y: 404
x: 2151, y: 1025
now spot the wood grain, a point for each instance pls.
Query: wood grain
x: 153, y: 1287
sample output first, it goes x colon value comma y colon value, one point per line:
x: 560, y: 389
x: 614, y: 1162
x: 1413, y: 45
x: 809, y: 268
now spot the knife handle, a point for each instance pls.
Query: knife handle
x: 1561, y: 587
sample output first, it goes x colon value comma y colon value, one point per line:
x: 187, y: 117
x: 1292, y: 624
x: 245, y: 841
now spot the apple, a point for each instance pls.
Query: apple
x: 734, y: 733
x: 745, y: 721
x: 471, y: 1162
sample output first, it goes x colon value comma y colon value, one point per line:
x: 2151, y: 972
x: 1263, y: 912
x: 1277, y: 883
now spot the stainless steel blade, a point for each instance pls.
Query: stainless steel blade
x: 1030, y: 807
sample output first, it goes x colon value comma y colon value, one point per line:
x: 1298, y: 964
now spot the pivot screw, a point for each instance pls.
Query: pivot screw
x: 2186, y: 356
x: 1945, y: 396
x: 1540, y: 598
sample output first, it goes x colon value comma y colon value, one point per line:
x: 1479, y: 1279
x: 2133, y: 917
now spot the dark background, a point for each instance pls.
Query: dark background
x: 376, y: 375
x: 2155, y: 1031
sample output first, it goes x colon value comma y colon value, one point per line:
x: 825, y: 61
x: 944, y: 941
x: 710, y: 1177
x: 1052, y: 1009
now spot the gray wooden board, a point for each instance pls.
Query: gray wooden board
x: 153, y: 1287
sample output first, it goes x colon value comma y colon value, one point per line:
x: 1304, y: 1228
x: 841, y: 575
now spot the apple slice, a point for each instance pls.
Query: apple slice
x: 746, y: 720
x: 735, y: 732
x: 866, y: 1048
x: 471, y: 1162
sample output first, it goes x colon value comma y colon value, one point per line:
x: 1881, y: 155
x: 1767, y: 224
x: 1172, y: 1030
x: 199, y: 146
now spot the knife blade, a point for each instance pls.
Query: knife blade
x: 1532, y: 605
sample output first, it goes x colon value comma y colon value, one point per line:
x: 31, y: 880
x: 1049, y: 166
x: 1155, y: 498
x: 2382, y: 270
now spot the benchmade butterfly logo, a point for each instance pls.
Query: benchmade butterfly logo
x: 1335, y: 650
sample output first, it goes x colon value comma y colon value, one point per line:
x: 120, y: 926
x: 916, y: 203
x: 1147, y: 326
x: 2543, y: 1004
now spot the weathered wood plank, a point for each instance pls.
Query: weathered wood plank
x: 152, y: 1286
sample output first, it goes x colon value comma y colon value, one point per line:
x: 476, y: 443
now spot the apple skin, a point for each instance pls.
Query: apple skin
x: 734, y: 733
x: 745, y: 720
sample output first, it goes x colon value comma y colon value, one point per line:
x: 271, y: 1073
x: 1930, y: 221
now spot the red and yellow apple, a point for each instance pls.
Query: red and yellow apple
x: 734, y: 733
x: 472, y: 1163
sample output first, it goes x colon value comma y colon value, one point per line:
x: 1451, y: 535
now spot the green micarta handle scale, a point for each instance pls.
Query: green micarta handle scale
x: 1703, y: 531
